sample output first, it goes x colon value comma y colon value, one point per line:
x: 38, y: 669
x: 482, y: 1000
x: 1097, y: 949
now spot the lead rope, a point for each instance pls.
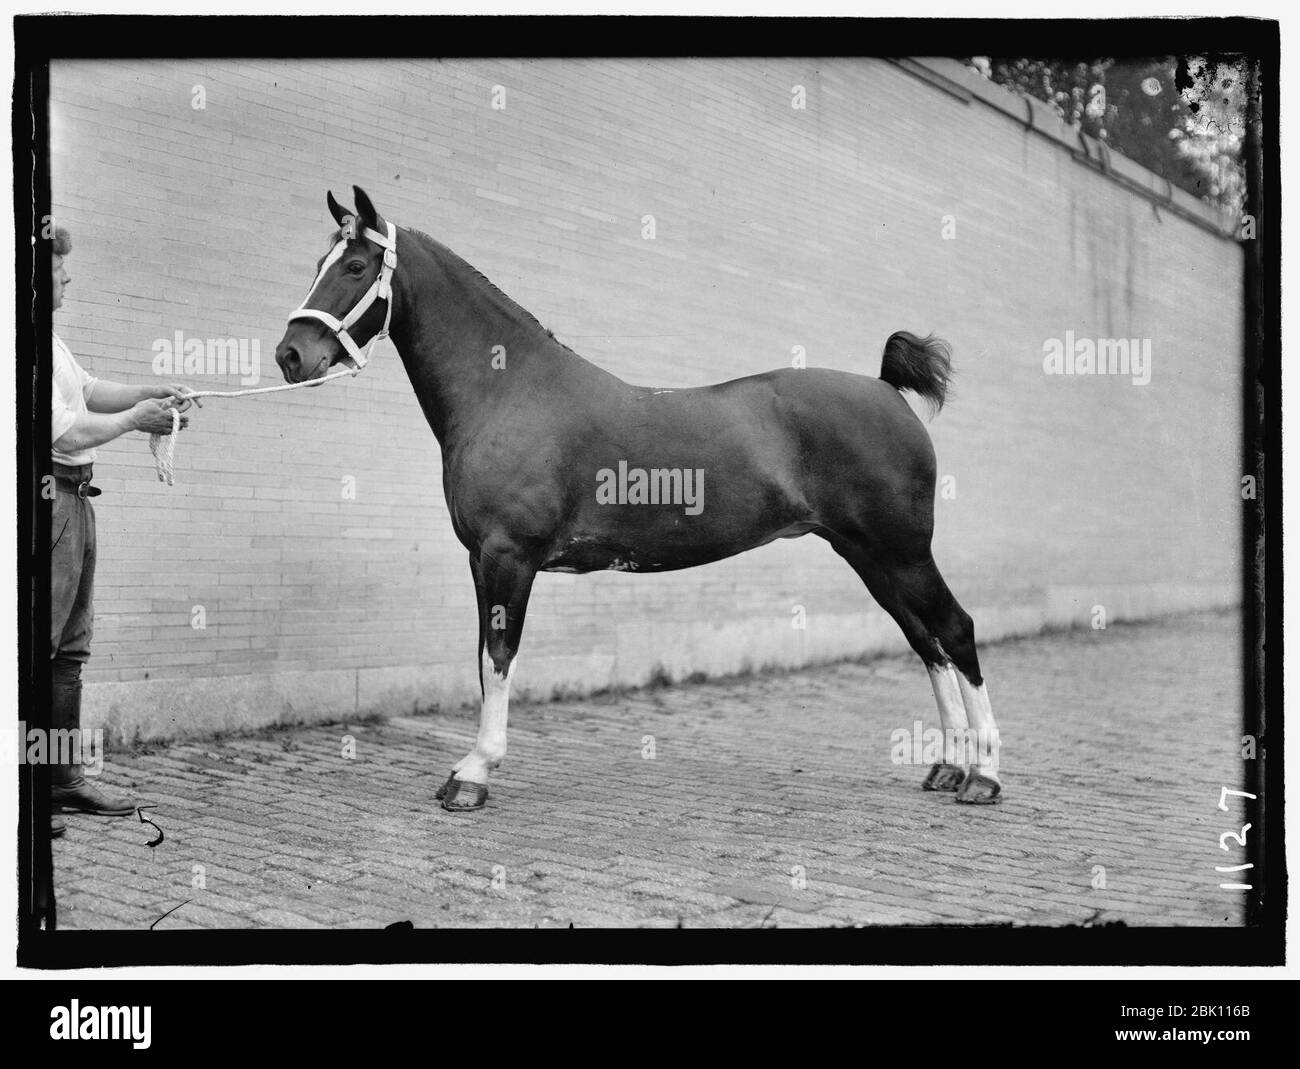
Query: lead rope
x: 163, y: 446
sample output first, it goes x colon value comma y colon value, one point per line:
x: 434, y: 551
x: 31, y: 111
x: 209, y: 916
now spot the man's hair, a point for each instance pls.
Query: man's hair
x: 62, y: 241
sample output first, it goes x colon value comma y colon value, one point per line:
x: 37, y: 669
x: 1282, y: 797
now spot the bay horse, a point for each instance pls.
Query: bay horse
x: 551, y: 464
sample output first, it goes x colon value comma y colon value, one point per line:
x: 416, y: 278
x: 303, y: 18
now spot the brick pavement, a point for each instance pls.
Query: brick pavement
x: 769, y: 800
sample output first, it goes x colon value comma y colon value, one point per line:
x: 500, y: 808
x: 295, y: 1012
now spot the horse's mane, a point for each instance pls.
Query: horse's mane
x: 510, y: 302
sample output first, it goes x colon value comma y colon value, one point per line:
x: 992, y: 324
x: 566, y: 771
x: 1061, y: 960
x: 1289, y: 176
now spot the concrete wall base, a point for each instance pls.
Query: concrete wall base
x: 162, y: 709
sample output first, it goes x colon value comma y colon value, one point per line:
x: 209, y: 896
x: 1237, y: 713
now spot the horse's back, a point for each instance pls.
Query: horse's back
x: 818, y: 410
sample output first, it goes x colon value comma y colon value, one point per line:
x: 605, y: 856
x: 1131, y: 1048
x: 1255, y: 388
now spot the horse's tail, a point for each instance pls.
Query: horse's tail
x: 922, y: 365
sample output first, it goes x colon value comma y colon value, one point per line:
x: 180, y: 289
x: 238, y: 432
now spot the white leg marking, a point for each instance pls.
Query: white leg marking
x: 986, y: 741
x: 490, y: 748
x: 952, y: 711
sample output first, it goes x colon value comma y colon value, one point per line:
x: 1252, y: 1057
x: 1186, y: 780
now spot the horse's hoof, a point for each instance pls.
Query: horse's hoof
x: 978, y: 789
x: 943, y: 777
x: 460, y: 795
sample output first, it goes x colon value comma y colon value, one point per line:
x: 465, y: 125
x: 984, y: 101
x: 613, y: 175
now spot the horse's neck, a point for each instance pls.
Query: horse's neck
x: 463, y: 341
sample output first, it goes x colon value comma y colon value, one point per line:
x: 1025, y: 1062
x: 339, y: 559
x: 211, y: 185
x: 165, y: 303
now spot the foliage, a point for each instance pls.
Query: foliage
x: 1181, y: 117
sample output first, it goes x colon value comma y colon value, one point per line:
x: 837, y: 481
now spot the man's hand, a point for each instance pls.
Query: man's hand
x: 155, y: 417
x: 177, y: 393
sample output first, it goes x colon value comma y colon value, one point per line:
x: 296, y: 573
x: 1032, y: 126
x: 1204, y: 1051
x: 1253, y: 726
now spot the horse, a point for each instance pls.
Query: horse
x: 552, y: 464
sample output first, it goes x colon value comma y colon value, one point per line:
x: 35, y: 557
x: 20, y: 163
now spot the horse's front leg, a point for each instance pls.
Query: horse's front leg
x: 502, y: 580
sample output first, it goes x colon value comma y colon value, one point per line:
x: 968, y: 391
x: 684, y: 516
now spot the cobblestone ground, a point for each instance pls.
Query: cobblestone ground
x: 770, y: 800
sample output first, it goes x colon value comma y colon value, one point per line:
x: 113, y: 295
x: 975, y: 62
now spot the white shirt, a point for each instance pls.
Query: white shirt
x: 70, y: 387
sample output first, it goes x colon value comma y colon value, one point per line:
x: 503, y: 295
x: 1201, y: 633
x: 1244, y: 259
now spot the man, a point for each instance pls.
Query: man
x: 85, y: 412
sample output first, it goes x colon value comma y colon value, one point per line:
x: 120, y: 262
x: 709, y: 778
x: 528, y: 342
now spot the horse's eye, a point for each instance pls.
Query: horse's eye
x: 356, y: 267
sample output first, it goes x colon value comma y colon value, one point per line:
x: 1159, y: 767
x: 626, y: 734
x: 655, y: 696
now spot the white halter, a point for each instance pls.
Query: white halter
x: 380, y: 290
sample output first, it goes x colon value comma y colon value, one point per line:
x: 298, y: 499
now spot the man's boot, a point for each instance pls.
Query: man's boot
x: 70, y: 793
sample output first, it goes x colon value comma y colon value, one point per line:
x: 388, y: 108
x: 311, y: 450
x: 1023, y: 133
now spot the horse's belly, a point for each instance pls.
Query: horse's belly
x: 795, y: 530
x: 595, y: 554
x: 606, y: 553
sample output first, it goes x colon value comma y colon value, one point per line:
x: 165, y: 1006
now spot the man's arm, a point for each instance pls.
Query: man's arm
x: 92, y: 429
x: 95, y: 428
x: 116, y: 397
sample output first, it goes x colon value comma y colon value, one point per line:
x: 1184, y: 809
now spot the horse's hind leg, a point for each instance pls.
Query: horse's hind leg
x: 948, y: 774
x: 942, y: 635
x: 955, y: 631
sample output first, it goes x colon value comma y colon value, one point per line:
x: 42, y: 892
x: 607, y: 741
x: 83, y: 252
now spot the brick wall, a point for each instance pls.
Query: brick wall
x: 775, y: 227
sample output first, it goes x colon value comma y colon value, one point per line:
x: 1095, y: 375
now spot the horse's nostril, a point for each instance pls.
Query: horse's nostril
x: 289, y: 360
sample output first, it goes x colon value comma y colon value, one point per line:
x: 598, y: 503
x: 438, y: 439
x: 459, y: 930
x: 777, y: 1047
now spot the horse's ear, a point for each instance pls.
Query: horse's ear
x: 366, y: 210
x: 336, y: 209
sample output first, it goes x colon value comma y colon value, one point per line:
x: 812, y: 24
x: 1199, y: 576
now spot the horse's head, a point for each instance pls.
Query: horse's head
x: 350, y: 302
